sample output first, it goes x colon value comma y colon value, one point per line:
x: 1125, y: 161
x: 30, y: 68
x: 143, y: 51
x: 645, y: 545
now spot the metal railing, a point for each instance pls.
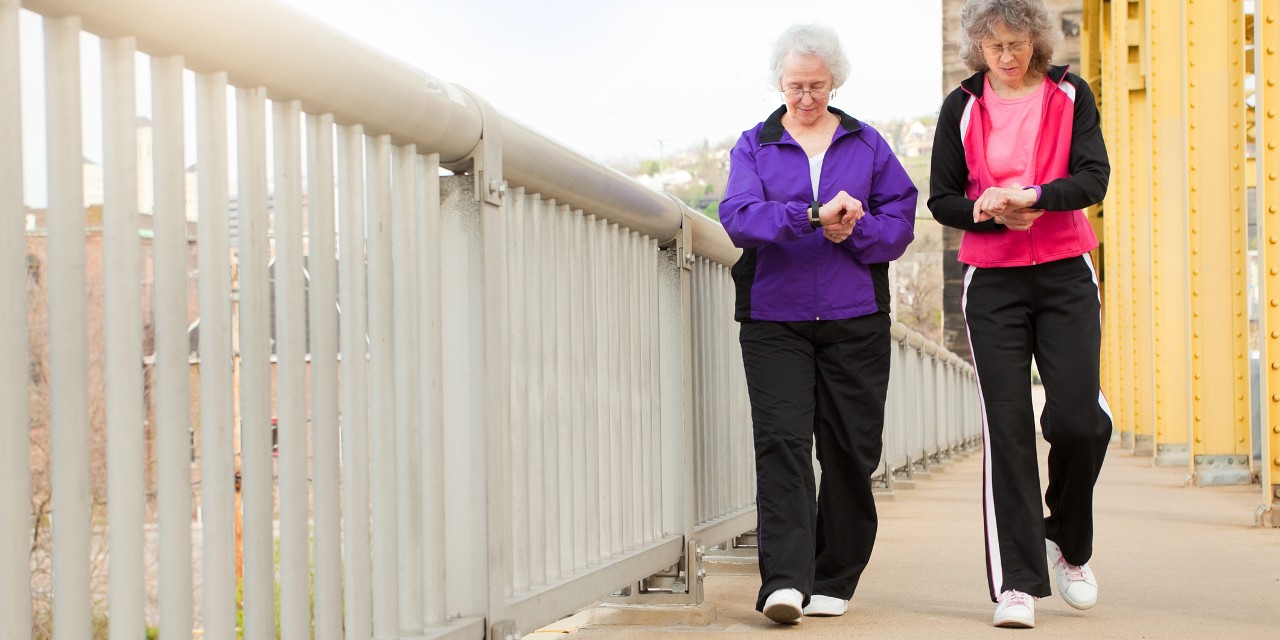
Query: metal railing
x: 500, y: 395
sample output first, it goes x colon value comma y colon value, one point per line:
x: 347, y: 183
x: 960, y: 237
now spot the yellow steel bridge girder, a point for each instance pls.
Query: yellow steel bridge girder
x: 1170, y: 269
x: 1267, y: 149
x: 1175, y: 230
x: 1132, y: 141
x: 1117, y: 305
x: 1216, y: 178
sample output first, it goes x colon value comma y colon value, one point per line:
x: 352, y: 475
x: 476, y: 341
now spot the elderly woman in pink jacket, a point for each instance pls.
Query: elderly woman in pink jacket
x: 1017, y: 156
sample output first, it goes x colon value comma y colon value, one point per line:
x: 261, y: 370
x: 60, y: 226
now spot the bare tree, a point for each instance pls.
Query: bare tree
x: 918, y: 282
x: 41, y: 454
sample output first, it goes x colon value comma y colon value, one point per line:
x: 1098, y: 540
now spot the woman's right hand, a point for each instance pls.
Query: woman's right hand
x: 838, y: 217
x: 843, y: 209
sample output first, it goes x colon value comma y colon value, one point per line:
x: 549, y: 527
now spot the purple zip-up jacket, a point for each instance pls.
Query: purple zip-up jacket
x: 788, y: 271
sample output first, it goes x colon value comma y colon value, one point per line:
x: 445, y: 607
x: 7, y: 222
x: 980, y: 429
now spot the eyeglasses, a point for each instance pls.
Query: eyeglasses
x: 1013, y: 49
x: 818, y: 93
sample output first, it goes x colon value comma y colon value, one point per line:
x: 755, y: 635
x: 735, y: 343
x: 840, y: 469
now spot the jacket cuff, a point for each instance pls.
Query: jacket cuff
x: 1036, y: 188
x: 798, y: 214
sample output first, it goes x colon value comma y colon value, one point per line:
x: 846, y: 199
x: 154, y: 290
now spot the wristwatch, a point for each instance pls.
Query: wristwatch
x: 814, y: 220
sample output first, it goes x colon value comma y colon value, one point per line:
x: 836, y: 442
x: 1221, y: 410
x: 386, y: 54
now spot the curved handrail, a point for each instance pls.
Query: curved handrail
x: 329, y: 72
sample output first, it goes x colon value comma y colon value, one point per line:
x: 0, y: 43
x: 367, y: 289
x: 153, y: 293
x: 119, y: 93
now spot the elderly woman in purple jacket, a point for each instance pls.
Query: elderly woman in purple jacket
x: 819, y: 205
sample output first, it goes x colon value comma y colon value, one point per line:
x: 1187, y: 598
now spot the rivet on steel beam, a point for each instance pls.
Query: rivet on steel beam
x: 1275, y: 429
x: 1276, y: 462
x: 1275, y: 335
x: 1275, y: 366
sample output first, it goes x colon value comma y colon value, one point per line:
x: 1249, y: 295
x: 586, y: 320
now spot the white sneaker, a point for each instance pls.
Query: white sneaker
x: 826, y: 606
x: 783, y: 606
x: 1076, y: 585
x: 1015, y: 610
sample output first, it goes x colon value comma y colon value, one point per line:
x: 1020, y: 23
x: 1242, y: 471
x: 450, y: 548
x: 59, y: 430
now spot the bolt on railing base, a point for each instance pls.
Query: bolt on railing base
x: 1267, y: 517
x: 681, y: 583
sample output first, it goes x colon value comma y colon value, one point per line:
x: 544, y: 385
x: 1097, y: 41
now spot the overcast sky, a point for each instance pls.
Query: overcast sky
x: 613, y: 77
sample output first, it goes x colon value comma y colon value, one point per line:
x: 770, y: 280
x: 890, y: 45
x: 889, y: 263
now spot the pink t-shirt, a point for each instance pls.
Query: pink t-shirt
x: 1012, y: 136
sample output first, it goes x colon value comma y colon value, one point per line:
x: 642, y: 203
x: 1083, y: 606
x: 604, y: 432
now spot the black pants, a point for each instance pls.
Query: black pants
x: 824, y: 379
x: 1050, y: 311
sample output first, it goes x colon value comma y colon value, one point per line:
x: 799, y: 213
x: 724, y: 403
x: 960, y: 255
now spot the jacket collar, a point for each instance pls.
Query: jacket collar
x: 773, y: 129
x: 974, y: 84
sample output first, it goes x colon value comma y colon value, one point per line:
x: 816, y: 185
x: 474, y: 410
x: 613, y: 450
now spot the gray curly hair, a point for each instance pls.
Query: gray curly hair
x: 809, y: 40
x: 978, y: 19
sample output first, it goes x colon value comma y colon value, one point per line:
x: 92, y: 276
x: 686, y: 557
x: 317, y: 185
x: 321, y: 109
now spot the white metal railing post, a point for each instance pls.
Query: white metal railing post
x: 254, y: 323
x: 465, y: 394
x: 431, y: 395
x: 680, y: 486
x: 534, y: 475
x: 322, y: 241
x: 592, y: 384
x: 15, y: 469
x: 521, y: 379
x: 291, y: 332
x: 217, y: 472
x: 352, y: 288
x: 68, y: 340
x: 123, y: 263
x: 495, y: 464
x: 382, y: 401
x: 579, y: 320
x: 564, y: 390
x: 409, y: 423
x: 173, y: 352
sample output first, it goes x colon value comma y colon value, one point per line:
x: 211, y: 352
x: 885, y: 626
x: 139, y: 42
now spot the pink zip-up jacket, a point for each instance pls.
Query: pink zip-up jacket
x: 1070, y: 167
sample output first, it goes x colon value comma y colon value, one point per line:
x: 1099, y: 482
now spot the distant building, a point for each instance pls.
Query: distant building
x: 94, y: 193
x: 916, y: 140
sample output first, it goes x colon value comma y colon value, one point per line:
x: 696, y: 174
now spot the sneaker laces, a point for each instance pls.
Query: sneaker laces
x: 1071, y: 571
x: 1014, y: 597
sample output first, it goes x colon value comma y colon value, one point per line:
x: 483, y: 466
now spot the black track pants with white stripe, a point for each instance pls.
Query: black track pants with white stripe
x: 822, y: 382
x: 1049, y: 311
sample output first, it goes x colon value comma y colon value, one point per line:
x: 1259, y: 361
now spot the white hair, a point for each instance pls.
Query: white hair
x: 809, y: 40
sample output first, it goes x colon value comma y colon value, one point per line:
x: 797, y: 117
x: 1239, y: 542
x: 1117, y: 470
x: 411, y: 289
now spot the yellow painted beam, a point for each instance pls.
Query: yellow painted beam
x: 1091, y: 70
x: 1170, y: 267
x: 1119, y: 222
x: 1132, y: 57
x: 1215, y: 171
x: 1115, y: 359
x: 1267, y: 150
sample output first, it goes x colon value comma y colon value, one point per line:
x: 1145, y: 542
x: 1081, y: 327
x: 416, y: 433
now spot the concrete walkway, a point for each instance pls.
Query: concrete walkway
x: 1172, y: 562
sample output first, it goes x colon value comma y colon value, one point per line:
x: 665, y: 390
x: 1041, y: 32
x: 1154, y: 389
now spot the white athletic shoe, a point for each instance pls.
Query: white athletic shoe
x: 1076, y: 585
x: 826, y: 606
x: 783, y: 606
x: 1015, y: 610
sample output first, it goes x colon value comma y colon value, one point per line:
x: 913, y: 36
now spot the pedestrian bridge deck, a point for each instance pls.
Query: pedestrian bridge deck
x: 1172, y: 561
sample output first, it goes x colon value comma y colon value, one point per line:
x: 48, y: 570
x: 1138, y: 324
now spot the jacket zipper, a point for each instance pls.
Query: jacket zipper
x: 817, y: 248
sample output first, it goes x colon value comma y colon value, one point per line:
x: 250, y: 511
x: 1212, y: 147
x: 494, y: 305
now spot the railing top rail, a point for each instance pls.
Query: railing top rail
x: 296, y: 57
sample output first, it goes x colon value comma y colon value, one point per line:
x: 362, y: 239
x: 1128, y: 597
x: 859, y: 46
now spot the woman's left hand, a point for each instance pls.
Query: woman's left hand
x: 1009, y: 207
